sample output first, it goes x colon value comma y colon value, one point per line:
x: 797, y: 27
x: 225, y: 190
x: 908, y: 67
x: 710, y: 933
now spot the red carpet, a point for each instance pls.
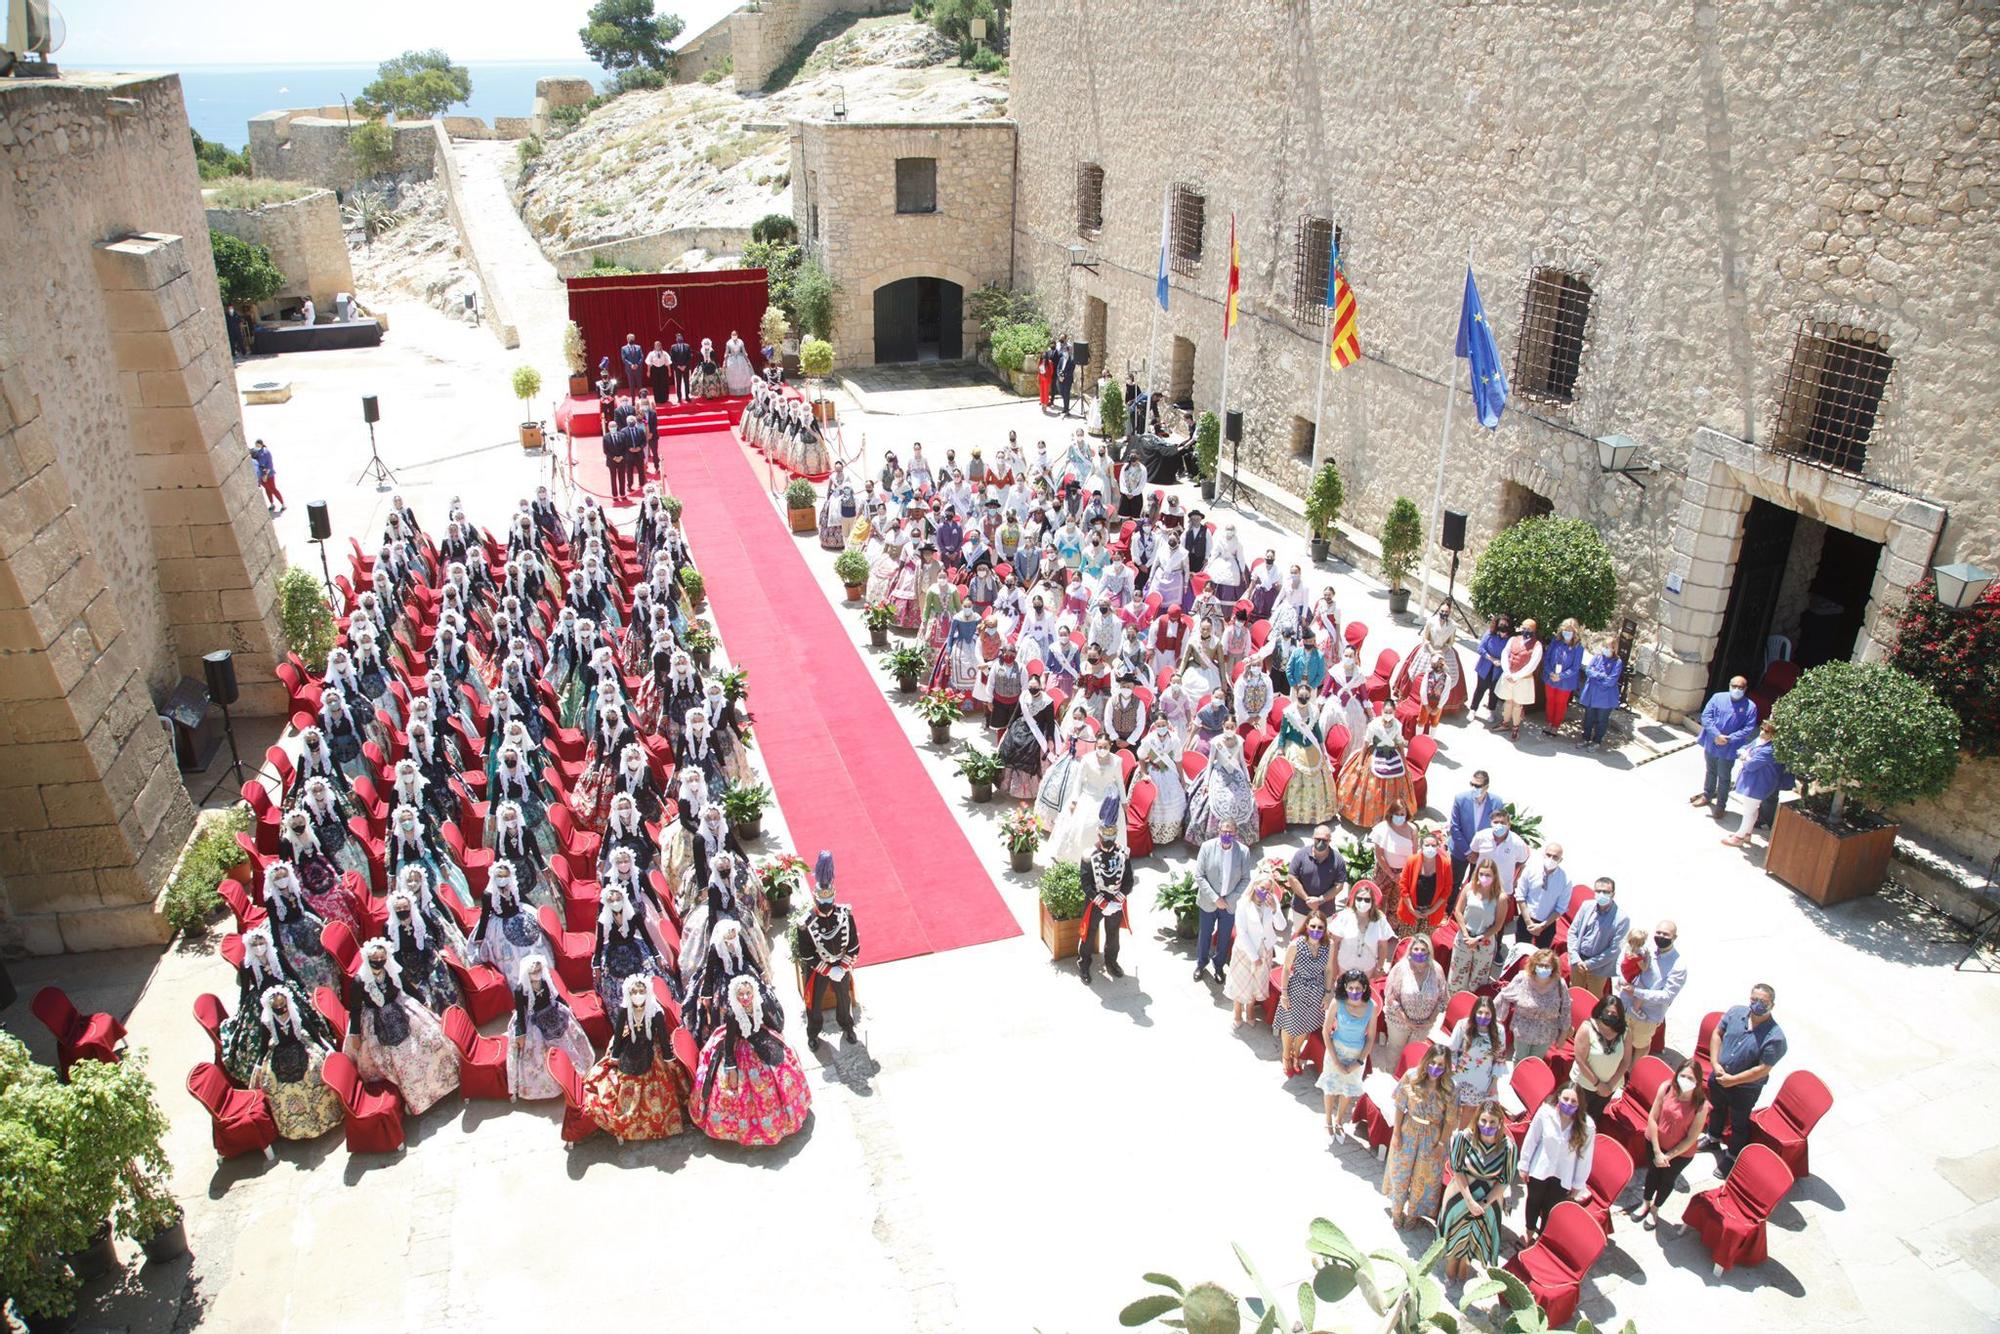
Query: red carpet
x: 845, y: 774
x: 589, y: 472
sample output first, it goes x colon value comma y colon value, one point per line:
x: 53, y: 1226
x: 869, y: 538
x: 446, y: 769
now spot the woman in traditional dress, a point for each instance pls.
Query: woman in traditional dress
x: 725, y: 725
x: 624, y: 951
x: 906, y: 578
x: 343, y: 726
x: 809, y: 452
x: 317, y: 760
x: 1159, y: 757
x: 507, y: 933
x: 637, y: 1091
x: 543, y: 1022
x: 1222, y: 792
x: 696, y: 749
x: 610, y: 733
x: 417, y: 936
x: 513, y: 781
x: 372, y: 674
x: 1302, y: 993
x: 621, y: 868
x: 1483, y: 1171
x: 727, y: 957
x: 837, y: 510
x: 1413, y: 1179
x: 1376, y: 777
x: 1345, y: 705
x: 706, y: 381
x: 1225, y: 566
x: 748, y: 1086
x: 1309, y: 796
x: 690, y: 793
x: 391, y: 1037
x: 335, y: 893
x: 296, y: 1045
x: 1436, y: 643
x: 1254, y: 948
x: 736, y: 372
x: 412, y: 844
x: 956, y: 666
x: 243, y: 1038
x: 1028, y: 741
x: 296, y: 928
x: 625, y: 831
x: 1099, y: 776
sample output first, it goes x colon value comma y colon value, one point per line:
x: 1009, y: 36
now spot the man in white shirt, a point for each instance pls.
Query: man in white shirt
x: 1542, y: 894
x: 307, y: 312
x: 1503, y: 846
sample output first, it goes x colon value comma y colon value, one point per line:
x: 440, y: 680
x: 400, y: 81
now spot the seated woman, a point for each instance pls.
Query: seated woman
x: 296, y: 928
x: 634, y: 781
x: 748, y: 1087
x: 317, y: 760
x: 507, y: 932
x: 416, y: 942
x: 725, y: 725
x: 513, y: 776
x: 296, y: 1045
x: 336, y: 894
x: 623, y: 829
x: 624, y: 951
x: 393, y: 1038
x: 637, y: 1091
x: 543, y: 1022
x: 730, y: 893
x: 515, y: 847
x: 610, y: 733
x: 622, y: 869
x: 244, y: 1041
x: 411, y: 845
x: 697, y: 748
x: 346, y: 729
x: 727, y: 958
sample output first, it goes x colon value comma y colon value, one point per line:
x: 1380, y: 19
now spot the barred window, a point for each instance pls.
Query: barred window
x: 1089, y: 199
x: 1316, y: 239
x: 1550, y: 352
x: 916, y: 185
x: 1190, y: 221
x: 1832, y: 393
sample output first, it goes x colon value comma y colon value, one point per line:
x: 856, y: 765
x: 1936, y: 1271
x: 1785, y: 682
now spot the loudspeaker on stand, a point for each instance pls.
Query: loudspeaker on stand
x: 1081, y: 347
x: 219, y: 669
x: 1454, y: 530
x: 370, y: 411
x: 317, y: 521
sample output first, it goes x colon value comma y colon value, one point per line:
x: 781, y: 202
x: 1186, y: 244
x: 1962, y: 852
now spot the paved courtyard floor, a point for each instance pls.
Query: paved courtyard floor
x: 1007, y: 1150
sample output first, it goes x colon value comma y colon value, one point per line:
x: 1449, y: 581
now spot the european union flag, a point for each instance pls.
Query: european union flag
x: 1166, y: 238
x: 1476, y: 345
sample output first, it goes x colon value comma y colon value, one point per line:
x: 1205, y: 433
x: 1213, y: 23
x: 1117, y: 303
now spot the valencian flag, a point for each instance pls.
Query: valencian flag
x: 1235, y: 280
x: 1476, y: 345
x: 1344, y: 343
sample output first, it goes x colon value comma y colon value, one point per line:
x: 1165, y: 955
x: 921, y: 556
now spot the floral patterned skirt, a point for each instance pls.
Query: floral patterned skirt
x: 528, y: 1058
x: 647, y: 1106
x: 1368, y: 789
x: 423, y: 1065
x: 304, y: 1107
x: 761, y: 1105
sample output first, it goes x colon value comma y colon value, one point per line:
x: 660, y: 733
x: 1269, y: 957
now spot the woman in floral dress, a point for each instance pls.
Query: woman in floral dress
x: 637, y: 1091
x: 393, y: 1038
x: 1309, y: 796
x: 1534, y: 1005
x: 295, y: 1051
x: 416, y: 943
x: 243, y: 1038
x: 624, y: 950
x: 1376, y: 776
x: 333, y: 892
x: 1483, y: 1170
x: 1222, y: 792
x: 543, y: 1022
x: 1071, y: 745
x: 1160, y: 764
x: 748, y: 1087
x: 1414, y: 1177
x: 296, y: 928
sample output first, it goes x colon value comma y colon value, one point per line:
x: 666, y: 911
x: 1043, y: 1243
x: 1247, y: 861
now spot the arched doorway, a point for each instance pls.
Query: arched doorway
x: 919, y: 319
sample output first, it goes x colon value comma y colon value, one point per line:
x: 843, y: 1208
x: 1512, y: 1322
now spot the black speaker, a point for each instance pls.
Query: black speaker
x: 317, y: 520
x: 1232, y: 427
x: 1082, y: 349
x: 1454, y: 530
x: 370, y: 413
x: 220, y: 670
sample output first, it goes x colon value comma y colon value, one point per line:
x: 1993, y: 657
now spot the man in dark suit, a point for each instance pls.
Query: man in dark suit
x: 614, y: 457
x: 1065, y: 371
x: 649, y: 418
x: 632, y: 358
x: 680, y: 356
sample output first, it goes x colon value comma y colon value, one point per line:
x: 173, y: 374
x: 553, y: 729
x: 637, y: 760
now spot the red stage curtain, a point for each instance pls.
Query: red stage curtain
x: 704, y: 305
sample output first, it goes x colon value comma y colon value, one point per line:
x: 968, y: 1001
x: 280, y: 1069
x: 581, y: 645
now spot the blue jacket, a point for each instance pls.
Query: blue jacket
x: 1467, y: 819
x: 1726, y: 724
x: 1488, y: 668
x: 1561, y: 664
x: 1761, y: 775
x: 1309, y: 667
x: 1601, y: 673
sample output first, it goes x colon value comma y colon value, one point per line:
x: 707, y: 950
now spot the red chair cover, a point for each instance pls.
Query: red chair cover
x: 486, y: 992
x: 1271, y: 798
x: 1610, y: 1172
x: 1786, y: 1124
x: 1532, y: 1082
x: 577, y: 1123
x: 240, y: 1119
x: 1138, y: 806
x: 1625, y: 1119
x: 1553, y: 1268
x: 1369, y: 1117
x: 482, y: 1061
x: 210, y: 1014
x: 1730, y: 1218
x: 77, y: 1038
x: 374, y: 1120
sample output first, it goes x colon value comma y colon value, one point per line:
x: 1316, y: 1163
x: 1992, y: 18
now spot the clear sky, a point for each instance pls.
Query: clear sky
x: 169, y: 34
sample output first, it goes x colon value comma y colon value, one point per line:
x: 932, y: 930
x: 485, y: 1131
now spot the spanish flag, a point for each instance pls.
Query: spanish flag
x: 1344, y: 343
x: 1235, y: 279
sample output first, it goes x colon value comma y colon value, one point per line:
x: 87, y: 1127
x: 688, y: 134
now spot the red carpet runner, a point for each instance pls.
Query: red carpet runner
x: 845, y: 773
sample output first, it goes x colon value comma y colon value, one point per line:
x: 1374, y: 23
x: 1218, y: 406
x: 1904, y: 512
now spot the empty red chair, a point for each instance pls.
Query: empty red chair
x: 572, y: 950
x: 1625, y: 1119
x: 576, y: 1123
x: 1610, y: 1172
x: 1138, y: 808
x: 240, y: 1119
x: 1532, y: 1082
x: 265, y: 815
x: 1271, y: 798
x: 1730, y: 1218
x: 339, y: 942
x: 1192, y: 764
x: 482, y: 1061
x: 1553, y: 1268
x: 1789, y: 1120
x: 588, y: 1007
x: 248, y: 915
x: 281, y: 765
x: 486, y: 992
x: 1703, y: 1034
x: 374, y: 1119
x: 1563, y: 1054
x: 686, y: 1056
x: 327, y: 1001
x: 581, y: 845
x: 1254, y: 742
x: 1422, y: 750
x: 1376, y: 687
x: 258, y: 860
x: 1458, y: 1007
x: 209, y: 1013
x: 1369, y: 1117
x: 96, y: 1038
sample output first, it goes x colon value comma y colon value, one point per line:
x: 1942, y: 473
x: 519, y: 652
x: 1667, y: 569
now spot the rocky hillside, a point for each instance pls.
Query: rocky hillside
x: 709, y: 155
x: 419, y: 257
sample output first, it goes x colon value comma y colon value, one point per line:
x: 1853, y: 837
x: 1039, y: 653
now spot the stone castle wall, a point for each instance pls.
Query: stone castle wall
x: 866, y: 244
x: 653, y: 252
x: 763, y: 38
x: 305, y: 241
x: 711, y: 48
x: 311, y: 145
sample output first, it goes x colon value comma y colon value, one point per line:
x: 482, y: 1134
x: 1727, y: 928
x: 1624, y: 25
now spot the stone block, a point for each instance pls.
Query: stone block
x: 149, y: 351
x: 1712, y: 549
x: 103, y: 619
x: 130, y: 768
x: 214, y: 540
x: 171, y: 540
x: 142, y: 262
x: 168, y: 389
x: 38, y: 893
x: 21, y: 808
x: 195, y: 607
x: 118, y: 885
x: 71, y: 653
x: 84, y: 848
x: 110, y: 675
x: 166, y: 431
x: 183, y: 505
x: 113, y: 929
x: 28, y: 676
x: 157, y: 797
x: 77, y: 805
x: 135, y: 312
x: 1911, y: 543
x: 1898, y: 572
x: 50, y: 761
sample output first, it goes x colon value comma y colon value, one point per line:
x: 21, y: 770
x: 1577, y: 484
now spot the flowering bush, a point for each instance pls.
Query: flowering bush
x: 940, y: 704
x: 879, y: 615
x: 1020, y: 831
x: 1958, y: 654
x: 781, y: 877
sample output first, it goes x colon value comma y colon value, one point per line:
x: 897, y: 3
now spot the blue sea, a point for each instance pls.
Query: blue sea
x: 221, y: 99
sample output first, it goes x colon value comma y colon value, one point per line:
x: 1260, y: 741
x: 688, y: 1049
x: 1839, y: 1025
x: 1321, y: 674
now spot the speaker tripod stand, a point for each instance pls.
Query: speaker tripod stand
x: 380, y: 471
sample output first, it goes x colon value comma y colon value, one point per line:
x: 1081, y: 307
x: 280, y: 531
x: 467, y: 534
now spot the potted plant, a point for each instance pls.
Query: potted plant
x: 735, y: 684
x: 774, y: 328
x: 1111, y: 412
x: 1862, y: 737
x: 305, y: 617
x: 1178, y: 897
x: 1207, y: 450
x: 743, y: 807
x: 672, y: 505
x: 1359, y: 858
x: 1022, y: 833
x: 782, y: 877
x: 981, y: 769
x: 1323, y: 502
x: 701, y: 643
x: 1402, y: 539
x: 816, y: 363
x: 801, y: 505
x: 692, y: 585
x: 212, y: 855
x: 851, y: 568
x: 939, y: 706
x: 906, y: 662
x: 527, y: 382
x: 1061, y: 893
x: 1547, y: 568
x: 578, y: 360
x: 878, y: 616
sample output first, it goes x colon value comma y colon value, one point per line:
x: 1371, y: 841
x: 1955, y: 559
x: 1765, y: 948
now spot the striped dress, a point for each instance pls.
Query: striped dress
x: 1488, y: 1173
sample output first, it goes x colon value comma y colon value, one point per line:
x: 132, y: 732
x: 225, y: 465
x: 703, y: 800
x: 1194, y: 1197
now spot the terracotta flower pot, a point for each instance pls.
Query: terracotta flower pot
x: 907, y: 684
x: 853, y: 592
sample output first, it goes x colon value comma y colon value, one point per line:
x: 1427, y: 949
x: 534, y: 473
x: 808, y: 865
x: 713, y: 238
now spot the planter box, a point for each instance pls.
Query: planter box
x: 1825, y: 866
x: 803, y: 521
x: 824, y: 411
x: 1060, y: 937
x: 1028, y: 384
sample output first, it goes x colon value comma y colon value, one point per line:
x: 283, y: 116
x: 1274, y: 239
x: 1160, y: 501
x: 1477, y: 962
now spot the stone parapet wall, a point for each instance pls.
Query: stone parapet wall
x: 305, y: 240
x: 762, y: 37
x: 711, y: 48
x: 496, y: 317
x: 312, y: 146
x: 652, y: 252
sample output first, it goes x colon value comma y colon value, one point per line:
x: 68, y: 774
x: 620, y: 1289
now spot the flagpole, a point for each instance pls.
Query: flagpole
x: 1319, y: 393
x: 1153, y: 331
x: 1235, y: 482
x: 1444, y: 445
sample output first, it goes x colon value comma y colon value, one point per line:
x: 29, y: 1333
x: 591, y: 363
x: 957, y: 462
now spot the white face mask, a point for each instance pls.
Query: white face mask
x: 1686, y: 1083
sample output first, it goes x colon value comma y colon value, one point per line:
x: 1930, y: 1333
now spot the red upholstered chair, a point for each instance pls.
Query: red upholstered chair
x: 1369, y: 1117
x: 474, y: 861
x: 1337, y: 737
x: 686, y: 1055
x: 1625, y: 1119
x: 341, y: 944
x: 576, y: 1123
x: 1138, y: 806
x: 1356, y: 634
x: 248, y: 915
x: 1271, y: 798
x: 1192, y: 763
x: 466, y: 913
x: 571, y: 950
x: 1774, y: 685
x: 210, y: 1014
x: 1730, y: 1218
x: 96, y: 1038
x: 1709, y: 1023
x: 482, y: 1062
x: 588, y: 1007
x: 240, y: 1120
x: 1276, y: 714
x: 1458, y: 1007
x: 1127, y: 762
x: 580, y: 844
x: 264, y: 816
x: 327, y: 1001
x: 1376, y: 687
x: 258, y: 860
x: 1554, y: 1267
x: 1422, y: 750
x: 487, y: 994
x: 1532, y: 1082
x: 1610, y: 1172
x: 1254, y: 742
x: 374, y: 1119
x: 1563, y: 1054
x: 1789, y: 1120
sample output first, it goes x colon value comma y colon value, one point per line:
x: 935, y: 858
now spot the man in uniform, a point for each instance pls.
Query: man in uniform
x: 1106, y: 877
x: 827, y: 944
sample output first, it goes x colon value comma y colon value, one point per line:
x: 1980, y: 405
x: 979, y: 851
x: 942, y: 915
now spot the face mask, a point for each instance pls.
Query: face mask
x: 1228, y: 839
x: 1760, y: 1007
x: 1482, y: 1020
x: 1399, y: 820
x: 1545, y: 973
x: 1364, y: 905
x: 1603, y: 901
x: 1354, y: 997
x: 1686, y: 1083
x: 1435, y: 1070
x: 1488, y: 1131
x: 1321, y: 844
x: 1663, y: 942
x: 1316, y: 933
x: 1736, y: 692
x: 1500, y: 832
x: 1568, y: 1109
x: 1419, y: 957
x: 1569, y: 636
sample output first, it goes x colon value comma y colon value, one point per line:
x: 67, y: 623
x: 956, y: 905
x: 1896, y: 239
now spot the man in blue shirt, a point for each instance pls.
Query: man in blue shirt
x: 1742, y: 1051
x: 1728, y: 721
x: 1471, y: 811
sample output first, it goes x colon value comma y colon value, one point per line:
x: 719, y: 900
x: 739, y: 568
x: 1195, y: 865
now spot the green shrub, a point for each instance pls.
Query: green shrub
x: 568, y: 117
x: 1207, y: 442
x: 993, y: 306
x: 1324, y: 500
x: 191, y: 897
x: 1111, y: 412
x: 372, y: 147
x: 781, y: 228
x: 216, y: 161
x: 528, y: 150
x: 243, y: 271
x: 602, y: 266
x: 417, y: 85
x: 1867, y: 734
x: 246, y: 192
x: 307, y: 620
x: 1014, y: 343
x: 799, y: 494
x: 1402, y: 539
x: 988, y: 61
x: 1061, y: 891
x: 851, y: 568
x: 816, y: 358
x: 1547, y: 568
x: 813, y: 291
x: 692, y: 583
x: 634, y: 81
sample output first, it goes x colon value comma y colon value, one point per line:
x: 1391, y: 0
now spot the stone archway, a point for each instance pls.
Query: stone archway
x: 919, y: 319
